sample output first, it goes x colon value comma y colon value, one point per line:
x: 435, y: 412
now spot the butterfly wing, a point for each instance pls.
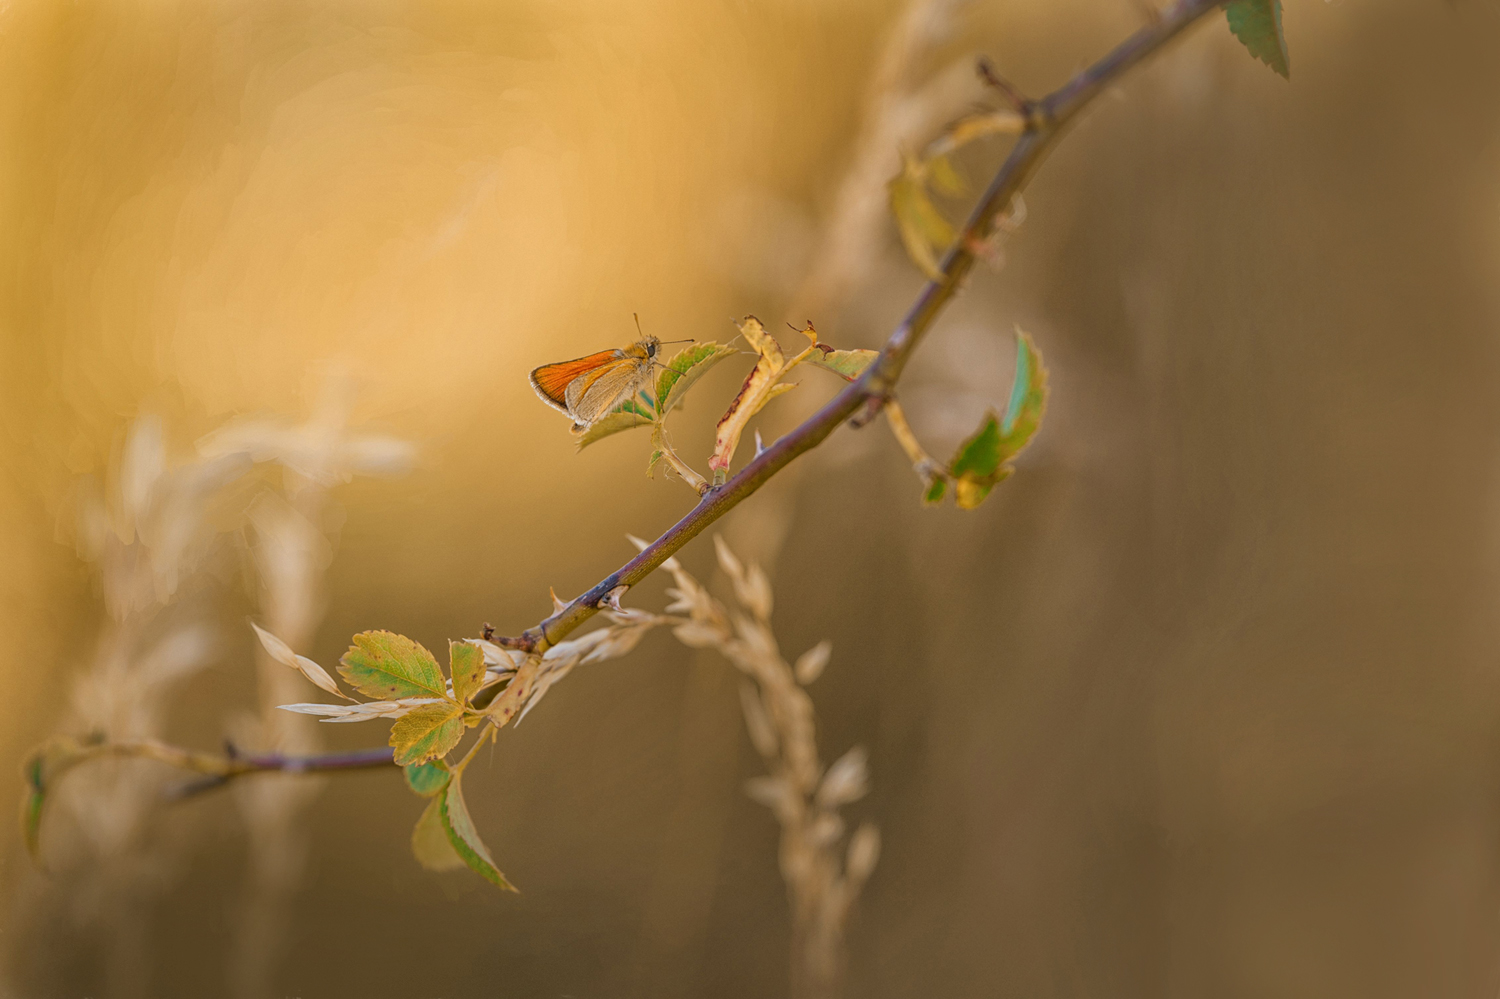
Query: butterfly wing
x: 551, y: 381
x: 591, y: 397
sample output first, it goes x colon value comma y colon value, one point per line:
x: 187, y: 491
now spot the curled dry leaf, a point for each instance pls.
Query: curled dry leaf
x: 846, y: 781
x: 810, y: 664
x: 281, y: 652
x: 759, y: 388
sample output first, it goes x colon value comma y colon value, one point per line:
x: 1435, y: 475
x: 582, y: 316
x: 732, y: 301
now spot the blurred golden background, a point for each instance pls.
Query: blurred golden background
x: 1202, y: 702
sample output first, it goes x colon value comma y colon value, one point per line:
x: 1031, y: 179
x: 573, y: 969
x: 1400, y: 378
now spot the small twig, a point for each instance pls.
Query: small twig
x: 1047, y: 119
x: 1022, y: 104
x: 927, y: 468
x: 221, y: 769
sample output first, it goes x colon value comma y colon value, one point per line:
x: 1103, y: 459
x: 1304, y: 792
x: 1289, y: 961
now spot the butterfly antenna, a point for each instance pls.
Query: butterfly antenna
x: 637, y: 317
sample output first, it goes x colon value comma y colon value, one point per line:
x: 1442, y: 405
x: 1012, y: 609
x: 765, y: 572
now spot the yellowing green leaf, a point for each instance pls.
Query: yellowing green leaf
x: 429, y: 840
x: 388, y: 666
x: 427, y: 778
x: 626, y: 416
x: 1257, y: 23
x: 945, y: 179
x: 983, y: 460
x: 684, y: 370
x: 466, y: 666
x: 464, y: 838
x: 427, y: 732
x: 924, y: 231
x: 847, y: 364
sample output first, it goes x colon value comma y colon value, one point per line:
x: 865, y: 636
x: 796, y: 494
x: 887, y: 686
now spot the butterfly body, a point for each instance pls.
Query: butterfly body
x: 587, y: 388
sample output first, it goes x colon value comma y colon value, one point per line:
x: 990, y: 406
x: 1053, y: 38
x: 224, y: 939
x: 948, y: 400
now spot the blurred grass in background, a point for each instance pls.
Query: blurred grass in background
x: 1203, y: 701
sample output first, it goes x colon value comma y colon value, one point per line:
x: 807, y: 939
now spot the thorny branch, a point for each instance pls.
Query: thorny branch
x: 863, y: 398
x: 859, y: 402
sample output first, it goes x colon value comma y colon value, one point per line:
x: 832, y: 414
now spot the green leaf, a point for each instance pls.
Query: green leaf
x: 32, y: 801
x: 429, y: 840
x: 1028, y: 396
x: 847, y: 364
x: 684, y: 370
x: 427, y: 732
x: 466, y: 666
x: 626, y: 416
x: 935, y: 491
x: 924, y: 231
x: 427, y: 778
x: 465, y: 839
x: 1257, y: 23
x: 983, y: 460
x: 41, y: 770
x: 976, y: 465
x: 388, y: 666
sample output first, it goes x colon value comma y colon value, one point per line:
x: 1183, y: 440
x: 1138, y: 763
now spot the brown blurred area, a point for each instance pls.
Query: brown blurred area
x: 1203, y: 701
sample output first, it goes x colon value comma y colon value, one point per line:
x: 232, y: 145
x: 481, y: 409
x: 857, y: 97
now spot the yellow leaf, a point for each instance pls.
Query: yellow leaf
x: 466, y: 665
x: 923, y: 229
x: 427, y: 733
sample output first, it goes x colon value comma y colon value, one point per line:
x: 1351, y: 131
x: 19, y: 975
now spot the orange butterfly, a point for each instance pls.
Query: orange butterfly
x: 588, y: 388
